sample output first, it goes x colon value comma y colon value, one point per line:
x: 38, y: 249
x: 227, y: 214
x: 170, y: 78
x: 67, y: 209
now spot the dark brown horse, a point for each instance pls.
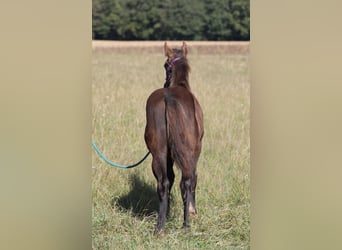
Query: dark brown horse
x: 173, y: 134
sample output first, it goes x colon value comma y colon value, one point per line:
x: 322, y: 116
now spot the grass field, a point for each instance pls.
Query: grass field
x: 125, y: 202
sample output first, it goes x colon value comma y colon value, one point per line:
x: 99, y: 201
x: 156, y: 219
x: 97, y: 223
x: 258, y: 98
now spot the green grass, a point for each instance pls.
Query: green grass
x: 125, y: 203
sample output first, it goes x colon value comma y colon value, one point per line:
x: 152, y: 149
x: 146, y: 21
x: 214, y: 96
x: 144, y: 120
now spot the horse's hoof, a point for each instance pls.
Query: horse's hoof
x: 193, y: 215
x: 159, y: 232
x: 186, y: 228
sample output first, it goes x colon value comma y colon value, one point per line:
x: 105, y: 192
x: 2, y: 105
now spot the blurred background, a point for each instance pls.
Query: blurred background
x: 171, y: 20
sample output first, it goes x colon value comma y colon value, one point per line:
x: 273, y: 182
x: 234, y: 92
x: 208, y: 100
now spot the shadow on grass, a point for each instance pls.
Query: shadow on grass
x: 142, y: 199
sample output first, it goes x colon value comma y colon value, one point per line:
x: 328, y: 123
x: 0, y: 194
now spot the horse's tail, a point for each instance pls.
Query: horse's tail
x: 184, y: 130
x: 175, y: 124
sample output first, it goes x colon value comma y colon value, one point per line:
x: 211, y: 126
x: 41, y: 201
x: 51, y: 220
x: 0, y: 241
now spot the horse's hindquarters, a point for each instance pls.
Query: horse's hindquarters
x: 155, y: 131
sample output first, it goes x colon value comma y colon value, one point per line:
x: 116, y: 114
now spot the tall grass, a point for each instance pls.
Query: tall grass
x: 125, y: 202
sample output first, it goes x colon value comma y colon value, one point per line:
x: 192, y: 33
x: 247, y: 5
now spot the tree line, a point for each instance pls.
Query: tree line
x: 171, y: 19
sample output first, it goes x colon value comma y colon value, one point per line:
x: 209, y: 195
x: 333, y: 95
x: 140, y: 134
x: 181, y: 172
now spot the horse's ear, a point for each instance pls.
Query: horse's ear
x: 184, y: 49
x: 168, y: 52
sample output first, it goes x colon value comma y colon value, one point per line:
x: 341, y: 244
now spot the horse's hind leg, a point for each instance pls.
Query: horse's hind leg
x: 192, y: 205
x: 188, y: 185
x: 159, y: 168
x: 170, y: 175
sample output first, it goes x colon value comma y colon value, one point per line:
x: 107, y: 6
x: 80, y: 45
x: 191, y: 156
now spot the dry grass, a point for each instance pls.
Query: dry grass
x: 125, y: 201
x: 203, y: 47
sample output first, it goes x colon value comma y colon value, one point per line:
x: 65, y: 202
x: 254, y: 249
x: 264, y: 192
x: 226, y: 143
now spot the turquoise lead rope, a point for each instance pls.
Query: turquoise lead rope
x: 115, y: 164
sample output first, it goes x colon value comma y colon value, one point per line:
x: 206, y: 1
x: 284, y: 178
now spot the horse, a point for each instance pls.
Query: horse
x: 173, y: 134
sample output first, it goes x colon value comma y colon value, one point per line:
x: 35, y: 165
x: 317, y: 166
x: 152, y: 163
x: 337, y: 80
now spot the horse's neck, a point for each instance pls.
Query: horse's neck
x: 180, y: 79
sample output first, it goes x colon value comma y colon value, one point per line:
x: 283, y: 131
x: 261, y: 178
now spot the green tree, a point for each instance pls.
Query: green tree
x: 216, y: 20
x: 183, y: 20
x: 140, y: 19
x: 107, y: 18
x: 238, y: 19
x: 171, y: 19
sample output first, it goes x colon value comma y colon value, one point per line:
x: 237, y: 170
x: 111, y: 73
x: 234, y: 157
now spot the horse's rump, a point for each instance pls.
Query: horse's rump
x: 155, y: 131
x: 175, y: 125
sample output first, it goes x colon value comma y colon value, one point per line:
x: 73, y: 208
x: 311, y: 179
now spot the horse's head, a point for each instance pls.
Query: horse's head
x: 173, y: 55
